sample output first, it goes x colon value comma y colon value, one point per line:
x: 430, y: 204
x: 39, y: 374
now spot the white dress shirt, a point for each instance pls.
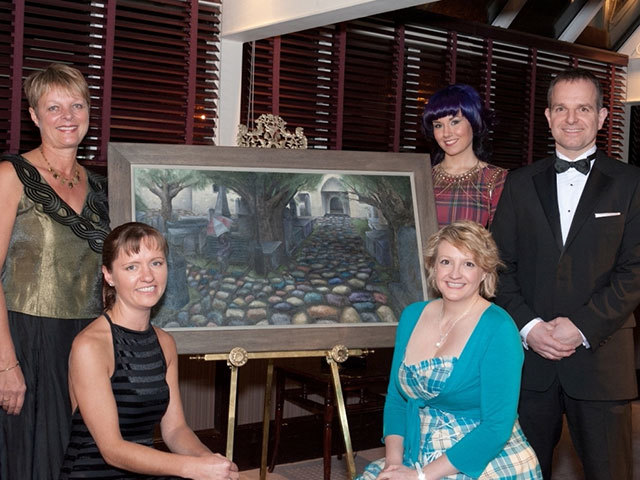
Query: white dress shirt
x: 570, y: 185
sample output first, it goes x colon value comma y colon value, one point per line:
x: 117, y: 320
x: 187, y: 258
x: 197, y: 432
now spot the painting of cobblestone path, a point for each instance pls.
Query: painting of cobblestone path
x: 285, y: 249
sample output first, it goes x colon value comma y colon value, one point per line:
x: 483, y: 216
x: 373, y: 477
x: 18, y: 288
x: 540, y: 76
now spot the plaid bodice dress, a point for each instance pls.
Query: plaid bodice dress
x: 472, y: 195
x: 437, y: 405
x: 440, y: 430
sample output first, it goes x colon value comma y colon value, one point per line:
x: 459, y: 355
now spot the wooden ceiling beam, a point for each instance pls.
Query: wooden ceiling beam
x: 581, y: 20
x: 508, y: 13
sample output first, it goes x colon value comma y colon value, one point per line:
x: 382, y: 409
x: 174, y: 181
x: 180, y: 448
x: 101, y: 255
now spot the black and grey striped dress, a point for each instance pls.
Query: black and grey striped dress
x: 141, y: 394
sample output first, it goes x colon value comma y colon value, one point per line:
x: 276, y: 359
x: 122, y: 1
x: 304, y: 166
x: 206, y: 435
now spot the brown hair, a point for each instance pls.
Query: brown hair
x: 127, y: 239
x: 55, y: 75
x: 572, y: 75
x: 474, y: 238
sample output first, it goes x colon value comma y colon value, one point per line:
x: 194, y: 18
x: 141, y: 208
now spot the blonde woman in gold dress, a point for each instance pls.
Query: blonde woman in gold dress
x: 53, y: 222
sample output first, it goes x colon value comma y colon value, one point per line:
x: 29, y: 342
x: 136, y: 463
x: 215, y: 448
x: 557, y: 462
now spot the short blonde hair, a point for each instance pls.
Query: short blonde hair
x: 474, y: 238
x: 55, y: 75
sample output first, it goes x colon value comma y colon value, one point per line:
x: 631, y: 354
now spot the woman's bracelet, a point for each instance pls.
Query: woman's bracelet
x: 10, y: 368
x: 421, y: 475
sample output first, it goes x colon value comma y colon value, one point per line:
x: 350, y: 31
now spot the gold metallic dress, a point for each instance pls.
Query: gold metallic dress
x: 51, y: 280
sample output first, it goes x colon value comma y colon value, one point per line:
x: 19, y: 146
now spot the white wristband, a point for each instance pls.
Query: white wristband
x: 421, y: 475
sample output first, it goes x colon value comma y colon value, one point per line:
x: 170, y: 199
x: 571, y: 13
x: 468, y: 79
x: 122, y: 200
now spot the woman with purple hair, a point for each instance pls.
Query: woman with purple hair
x: 465, y: 185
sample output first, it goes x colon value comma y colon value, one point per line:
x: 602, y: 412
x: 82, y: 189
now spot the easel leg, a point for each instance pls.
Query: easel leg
x: 342, y: 413
x: 231, y: 424
x: 266, y: 417
x: 327, y: 432
x: 277, y: 421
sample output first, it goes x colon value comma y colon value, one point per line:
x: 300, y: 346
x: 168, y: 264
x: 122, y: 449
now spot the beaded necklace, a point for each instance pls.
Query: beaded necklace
x: 441, y: 175
x: 69, y: 182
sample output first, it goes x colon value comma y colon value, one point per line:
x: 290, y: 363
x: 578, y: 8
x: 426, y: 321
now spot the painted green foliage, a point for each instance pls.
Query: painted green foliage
x: 391, y: 195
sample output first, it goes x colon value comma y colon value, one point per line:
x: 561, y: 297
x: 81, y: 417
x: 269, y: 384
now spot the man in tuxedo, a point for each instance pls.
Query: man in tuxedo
x: 568, y: 230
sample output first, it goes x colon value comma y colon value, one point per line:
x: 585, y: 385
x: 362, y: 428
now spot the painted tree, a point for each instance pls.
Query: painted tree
x: 391, y: 195
x: 266, y: 195
x: 166, y: 184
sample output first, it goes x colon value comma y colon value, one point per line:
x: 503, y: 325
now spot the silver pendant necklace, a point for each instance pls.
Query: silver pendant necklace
x: 444, y: 335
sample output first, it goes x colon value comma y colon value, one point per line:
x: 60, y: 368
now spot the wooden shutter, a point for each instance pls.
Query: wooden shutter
x: 426, y: 69
x: 6, y: 20
x: 634, y: 135
x: 512, y: 92
x: 612, y: 80
x: 151, y: 66
x: 308, y: 84
x: 154, y: 93
x: 206, y: 73
x: 369, y: 87
x: 387, y: 67
x: 64, y: 32
x: 296, y: 77
x: 258, y: 79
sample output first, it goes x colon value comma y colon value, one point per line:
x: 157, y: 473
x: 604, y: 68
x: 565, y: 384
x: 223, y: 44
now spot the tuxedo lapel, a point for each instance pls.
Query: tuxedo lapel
x: 596, y: 184
x: 545, y: 184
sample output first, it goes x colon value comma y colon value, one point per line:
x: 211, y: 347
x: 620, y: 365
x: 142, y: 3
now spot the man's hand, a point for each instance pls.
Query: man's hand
x: 566, y: 332
x: 542, y: 341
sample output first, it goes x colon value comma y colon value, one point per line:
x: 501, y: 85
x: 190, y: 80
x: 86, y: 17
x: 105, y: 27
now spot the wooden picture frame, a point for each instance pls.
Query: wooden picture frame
x: 126, y: 160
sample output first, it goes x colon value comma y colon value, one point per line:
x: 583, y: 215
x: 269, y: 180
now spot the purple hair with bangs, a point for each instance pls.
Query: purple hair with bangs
x: 450, y: 100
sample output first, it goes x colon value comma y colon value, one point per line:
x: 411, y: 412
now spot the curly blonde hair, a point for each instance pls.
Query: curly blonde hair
x: 474, y: 238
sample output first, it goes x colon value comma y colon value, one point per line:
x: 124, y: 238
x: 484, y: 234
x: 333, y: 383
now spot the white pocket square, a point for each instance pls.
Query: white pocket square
x: 607, y: 214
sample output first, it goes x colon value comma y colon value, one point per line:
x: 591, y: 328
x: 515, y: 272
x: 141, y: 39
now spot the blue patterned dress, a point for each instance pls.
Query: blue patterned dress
x: 441, y: 421
x: 443, y: 429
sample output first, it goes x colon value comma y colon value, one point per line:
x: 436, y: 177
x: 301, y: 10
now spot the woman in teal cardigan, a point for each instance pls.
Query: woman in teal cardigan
x: 453, y: 393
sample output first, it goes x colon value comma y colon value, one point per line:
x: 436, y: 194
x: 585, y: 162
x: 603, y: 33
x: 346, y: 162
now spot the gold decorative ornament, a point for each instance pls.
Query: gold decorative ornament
x: 270, y: 132
x: 238, y: 356
x: 339, y: 353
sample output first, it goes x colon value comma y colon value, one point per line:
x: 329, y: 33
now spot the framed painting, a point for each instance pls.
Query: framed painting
x: 273, y: 249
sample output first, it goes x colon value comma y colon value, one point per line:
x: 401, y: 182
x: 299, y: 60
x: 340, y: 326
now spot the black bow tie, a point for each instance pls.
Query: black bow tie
x: 583, y: 165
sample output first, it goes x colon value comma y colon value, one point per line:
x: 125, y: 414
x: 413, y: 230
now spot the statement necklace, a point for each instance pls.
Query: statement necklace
x: 441, y: 174
x: 443, y: 336
x: 69, y: 182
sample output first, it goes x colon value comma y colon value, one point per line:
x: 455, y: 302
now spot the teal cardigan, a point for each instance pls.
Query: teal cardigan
x: 484, y: 385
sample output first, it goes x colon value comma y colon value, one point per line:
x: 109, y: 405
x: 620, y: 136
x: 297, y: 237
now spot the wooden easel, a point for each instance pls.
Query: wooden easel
x: 238, y: 357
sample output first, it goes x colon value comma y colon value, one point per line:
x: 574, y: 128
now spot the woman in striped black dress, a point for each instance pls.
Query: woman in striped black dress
x: 123, y: 377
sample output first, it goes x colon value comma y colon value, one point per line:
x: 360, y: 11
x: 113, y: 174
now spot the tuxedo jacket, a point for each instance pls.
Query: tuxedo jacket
x: 593, y: 279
